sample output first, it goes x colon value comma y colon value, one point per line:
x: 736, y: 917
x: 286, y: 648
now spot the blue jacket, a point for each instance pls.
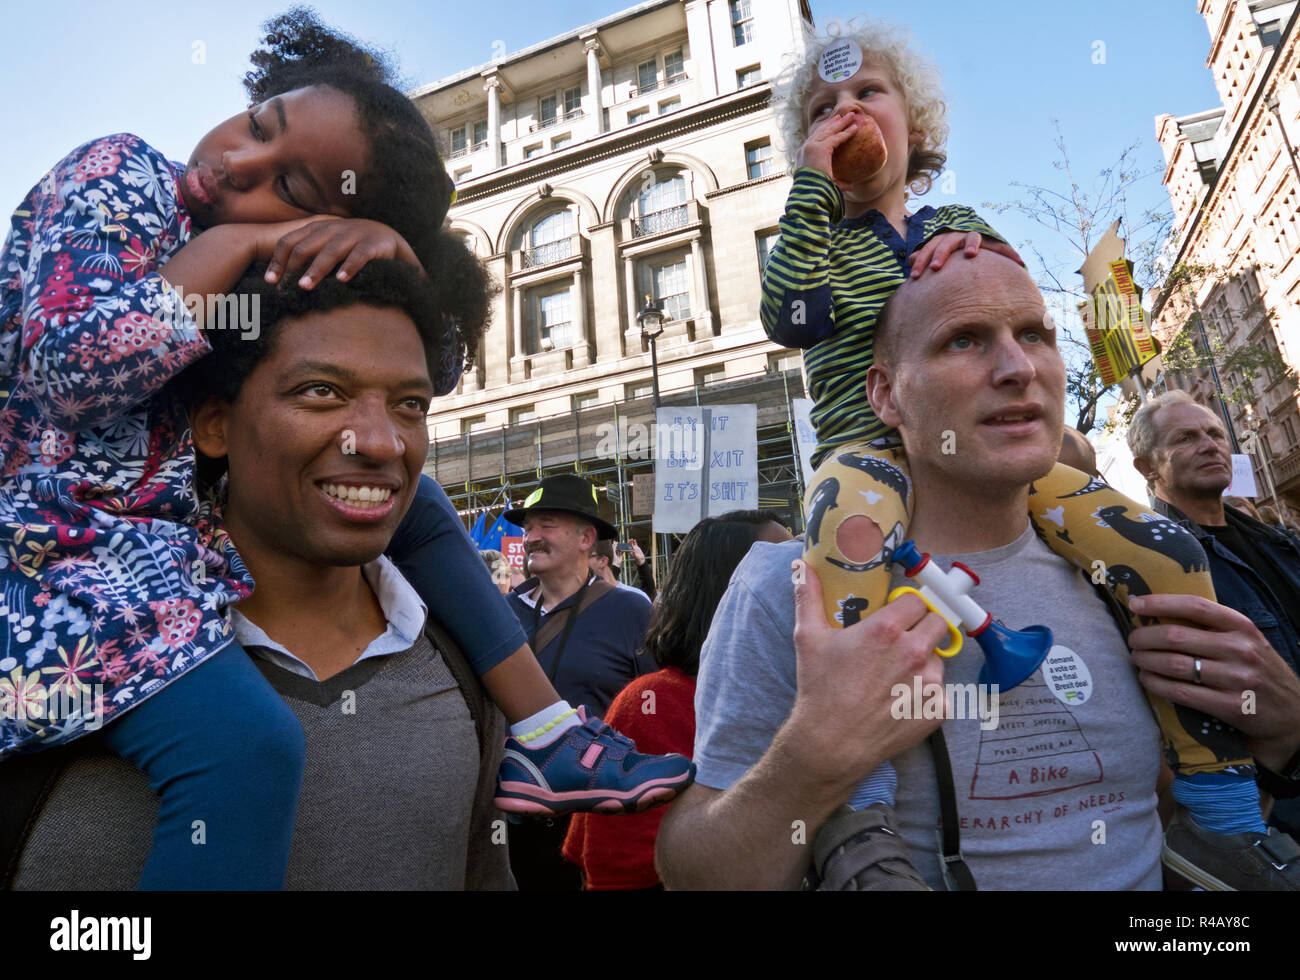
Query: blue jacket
x: 1240, y: 587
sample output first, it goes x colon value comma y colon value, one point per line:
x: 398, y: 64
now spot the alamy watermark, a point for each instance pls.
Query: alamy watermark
x: 40, y: 704
x: 946, y: 701
x: 215, y: 311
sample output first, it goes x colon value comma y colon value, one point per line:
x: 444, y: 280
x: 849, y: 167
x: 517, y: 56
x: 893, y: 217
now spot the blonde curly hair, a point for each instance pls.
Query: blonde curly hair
x: 917, y: 79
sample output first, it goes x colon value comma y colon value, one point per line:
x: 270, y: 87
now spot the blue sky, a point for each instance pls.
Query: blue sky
x: 81, y: 69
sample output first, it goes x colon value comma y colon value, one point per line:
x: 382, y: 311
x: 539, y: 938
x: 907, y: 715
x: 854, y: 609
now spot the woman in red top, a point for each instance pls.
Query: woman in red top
x: 657, y: 711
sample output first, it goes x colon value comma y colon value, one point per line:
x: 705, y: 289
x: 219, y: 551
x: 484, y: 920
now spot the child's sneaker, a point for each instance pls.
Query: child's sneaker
x: 1231, y: 862
x: 589, y: 769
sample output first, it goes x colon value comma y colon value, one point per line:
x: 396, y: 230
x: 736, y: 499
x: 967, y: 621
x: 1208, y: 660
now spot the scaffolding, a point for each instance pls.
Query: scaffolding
x: 491, y: 469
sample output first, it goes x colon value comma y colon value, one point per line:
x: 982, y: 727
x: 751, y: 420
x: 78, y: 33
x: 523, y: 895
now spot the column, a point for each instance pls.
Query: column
x: 578, y: 298
x: 591, y: 45
x: 633, y: 301
x: 492, y: 85
x: 700, y: 38
x: 702, y: 316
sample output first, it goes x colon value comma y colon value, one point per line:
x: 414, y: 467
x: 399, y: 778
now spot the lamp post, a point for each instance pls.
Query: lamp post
x: 651, y: 320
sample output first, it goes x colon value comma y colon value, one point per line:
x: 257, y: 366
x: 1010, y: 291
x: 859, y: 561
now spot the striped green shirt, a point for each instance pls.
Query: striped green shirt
x: 825, y: 282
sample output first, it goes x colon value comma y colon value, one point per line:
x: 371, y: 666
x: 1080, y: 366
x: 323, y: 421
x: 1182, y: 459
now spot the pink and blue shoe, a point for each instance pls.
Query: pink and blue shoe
x: 589, y: 769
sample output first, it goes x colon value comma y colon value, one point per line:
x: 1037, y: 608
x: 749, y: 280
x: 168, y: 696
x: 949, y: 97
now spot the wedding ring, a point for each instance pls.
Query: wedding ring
x: 1196, y: 664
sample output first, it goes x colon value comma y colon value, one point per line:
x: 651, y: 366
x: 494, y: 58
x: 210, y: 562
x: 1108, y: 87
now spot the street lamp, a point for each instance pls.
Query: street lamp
x: 652, y: 325
x: 651, y: 320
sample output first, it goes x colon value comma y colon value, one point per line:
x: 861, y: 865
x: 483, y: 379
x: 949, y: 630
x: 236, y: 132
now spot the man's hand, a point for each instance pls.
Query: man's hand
x: 1235, y: 659
x: 934, y: 253
x: 637, y: 553
x: 846, y: 678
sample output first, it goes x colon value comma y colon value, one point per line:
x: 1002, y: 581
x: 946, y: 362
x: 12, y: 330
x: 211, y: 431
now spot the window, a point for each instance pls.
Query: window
x: 552, y: 310
x: 638, y: 389
x: 476, y: 424
x: 1288, y: 430
x: 635, y: 116
x: 524, y: 413
x: 562, y: 140
x: 460, y: 175
x: 669, y: 105
x: 468, y: 138
x: 674, y: 67
x: 766, y: 242
x: 586, y: 399
x: 670, y: 287
x: 546, y: 111
x: 646, y: 80
x: 710, y: 375
x: 572, y: 102
x: 749, y: 76
x: 666, y: 193
x: 742, y: 22
x: 532, y: 151
x: 758, y: 159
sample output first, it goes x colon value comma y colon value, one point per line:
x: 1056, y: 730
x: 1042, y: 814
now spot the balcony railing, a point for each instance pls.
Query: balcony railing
x: 548, y: 121
x: 658, y: 222
x: 556, y: 251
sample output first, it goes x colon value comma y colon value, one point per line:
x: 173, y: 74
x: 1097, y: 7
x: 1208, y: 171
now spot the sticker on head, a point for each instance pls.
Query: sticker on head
x: 840, y: 61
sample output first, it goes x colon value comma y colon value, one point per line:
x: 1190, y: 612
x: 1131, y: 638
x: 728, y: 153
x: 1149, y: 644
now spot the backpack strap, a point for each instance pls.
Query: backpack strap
x: 471, y: 689
x: 25, y: 783
x: 551, y: 628
x: 956, y: 873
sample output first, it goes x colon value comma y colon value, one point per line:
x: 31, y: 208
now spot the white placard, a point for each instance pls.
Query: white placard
x: 706, y: 463
x: 805, y: 436
x: 1243, y: 478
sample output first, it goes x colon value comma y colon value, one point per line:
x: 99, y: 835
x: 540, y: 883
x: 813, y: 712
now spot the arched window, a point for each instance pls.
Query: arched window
x: 661, y: 206
x: 549, y: 239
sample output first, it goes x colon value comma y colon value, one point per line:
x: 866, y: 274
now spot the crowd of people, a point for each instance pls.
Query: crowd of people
x: 304, y: 677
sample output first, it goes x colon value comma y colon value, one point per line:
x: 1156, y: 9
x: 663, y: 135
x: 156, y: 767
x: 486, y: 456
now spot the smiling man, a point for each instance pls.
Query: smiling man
x: 320, y: 427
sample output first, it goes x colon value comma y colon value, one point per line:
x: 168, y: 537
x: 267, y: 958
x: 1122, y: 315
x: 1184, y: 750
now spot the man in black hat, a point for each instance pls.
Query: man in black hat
x: 587, y: 635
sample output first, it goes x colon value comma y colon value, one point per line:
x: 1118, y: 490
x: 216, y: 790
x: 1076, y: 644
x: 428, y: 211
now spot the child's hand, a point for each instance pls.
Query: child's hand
x: 822, y: 142
x: 320, y: 244
x: 934, y: 253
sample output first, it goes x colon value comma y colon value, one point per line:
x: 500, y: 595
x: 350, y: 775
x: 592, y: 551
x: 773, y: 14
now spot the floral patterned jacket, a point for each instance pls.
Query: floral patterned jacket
x: 114, y: 577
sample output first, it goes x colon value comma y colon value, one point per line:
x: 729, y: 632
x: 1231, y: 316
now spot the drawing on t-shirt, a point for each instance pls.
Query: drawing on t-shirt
x: 1038, y: 747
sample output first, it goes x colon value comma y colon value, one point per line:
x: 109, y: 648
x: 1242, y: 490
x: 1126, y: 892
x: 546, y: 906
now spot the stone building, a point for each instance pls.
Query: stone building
x: 634, y: 157
x: 1234, y: 183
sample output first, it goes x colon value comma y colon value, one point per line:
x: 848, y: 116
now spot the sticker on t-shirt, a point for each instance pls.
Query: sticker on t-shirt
x: 1067, y: 676
x: 840, y: 61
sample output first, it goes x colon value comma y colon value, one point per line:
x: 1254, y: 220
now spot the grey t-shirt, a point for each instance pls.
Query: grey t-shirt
x: 1059, y: 795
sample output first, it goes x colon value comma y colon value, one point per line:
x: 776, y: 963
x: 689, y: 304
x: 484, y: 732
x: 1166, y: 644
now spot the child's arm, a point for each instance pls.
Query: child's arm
x: 96, y: 225
x: 954, y: 227
x: 796, y: 308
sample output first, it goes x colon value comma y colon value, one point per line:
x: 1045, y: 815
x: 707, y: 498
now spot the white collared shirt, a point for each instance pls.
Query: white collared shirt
x: 402, y: 607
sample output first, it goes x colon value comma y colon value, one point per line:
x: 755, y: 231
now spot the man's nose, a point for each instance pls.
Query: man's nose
x: 372, y: 433
x: 1013, y: 364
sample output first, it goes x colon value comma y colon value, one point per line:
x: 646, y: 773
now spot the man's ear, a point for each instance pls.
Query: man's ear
x: 208, y: 425
x: 1143, y: 466
x: 880, y: 392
